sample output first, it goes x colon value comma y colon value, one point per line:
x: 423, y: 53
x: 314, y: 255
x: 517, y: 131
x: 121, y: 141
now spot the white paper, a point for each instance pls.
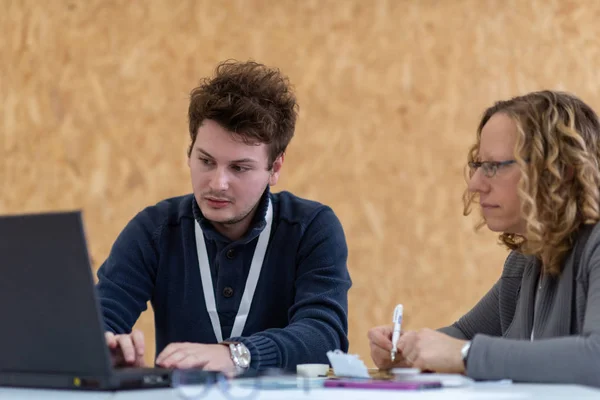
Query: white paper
x: 347, y: 365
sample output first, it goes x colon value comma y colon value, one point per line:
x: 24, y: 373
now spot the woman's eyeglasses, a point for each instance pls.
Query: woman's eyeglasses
x: 489, y: 168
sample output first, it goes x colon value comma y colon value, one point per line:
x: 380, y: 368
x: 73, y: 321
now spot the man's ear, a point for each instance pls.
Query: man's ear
x: 276, y: 170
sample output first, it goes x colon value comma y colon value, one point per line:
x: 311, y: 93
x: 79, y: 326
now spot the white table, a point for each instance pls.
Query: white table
x: 484, y: 391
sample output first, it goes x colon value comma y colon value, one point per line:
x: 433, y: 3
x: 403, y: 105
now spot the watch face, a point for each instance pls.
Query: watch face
x: 241, y: 355
x: 244, y: 356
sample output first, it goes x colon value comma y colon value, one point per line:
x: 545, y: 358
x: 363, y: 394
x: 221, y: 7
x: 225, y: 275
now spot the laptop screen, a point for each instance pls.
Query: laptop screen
x: 50, y: 320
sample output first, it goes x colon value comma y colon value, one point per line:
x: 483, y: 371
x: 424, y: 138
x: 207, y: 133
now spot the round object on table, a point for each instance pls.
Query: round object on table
x: 312, y: 370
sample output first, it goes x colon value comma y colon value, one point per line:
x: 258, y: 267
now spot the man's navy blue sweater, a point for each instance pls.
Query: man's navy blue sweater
x: 300, y: 307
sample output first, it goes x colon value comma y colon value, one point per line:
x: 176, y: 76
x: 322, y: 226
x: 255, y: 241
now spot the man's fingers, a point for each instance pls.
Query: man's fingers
x: 138, y: 342
x: 140, y: 362
x: 163, y: 355
x: 111, y: 342
x: 190, y: 361
x: 126, y: 346
x: 173, y: 359
x: 167, y: 352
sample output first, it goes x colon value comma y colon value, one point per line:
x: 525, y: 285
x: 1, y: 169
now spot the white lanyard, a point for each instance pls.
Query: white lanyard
x: 251, y: 282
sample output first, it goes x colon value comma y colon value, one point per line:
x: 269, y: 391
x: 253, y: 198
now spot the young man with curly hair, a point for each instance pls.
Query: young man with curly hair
x: 238, y: 277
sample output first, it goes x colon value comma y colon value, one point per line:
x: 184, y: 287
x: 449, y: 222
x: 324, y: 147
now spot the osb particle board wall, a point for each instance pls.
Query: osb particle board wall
x: 93, y: 116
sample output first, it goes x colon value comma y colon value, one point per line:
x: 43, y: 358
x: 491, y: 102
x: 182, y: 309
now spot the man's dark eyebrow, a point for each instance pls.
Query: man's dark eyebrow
x: 240, y: 161
x: 243, y: 160
x: 199, y: 150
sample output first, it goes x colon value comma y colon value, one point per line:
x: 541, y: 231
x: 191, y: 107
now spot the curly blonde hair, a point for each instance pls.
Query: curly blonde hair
x: 558, y: 153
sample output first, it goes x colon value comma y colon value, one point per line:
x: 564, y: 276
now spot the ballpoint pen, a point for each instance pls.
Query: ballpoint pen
x: 397, y: 328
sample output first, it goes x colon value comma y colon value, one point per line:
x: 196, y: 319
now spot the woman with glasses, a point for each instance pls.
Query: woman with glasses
x: 534, y: 173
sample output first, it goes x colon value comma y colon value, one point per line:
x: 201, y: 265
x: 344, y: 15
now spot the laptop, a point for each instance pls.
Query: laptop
x: 52, y: 334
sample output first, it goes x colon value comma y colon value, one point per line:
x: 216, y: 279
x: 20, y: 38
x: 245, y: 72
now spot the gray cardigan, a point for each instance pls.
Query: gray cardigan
x: 566, y: 322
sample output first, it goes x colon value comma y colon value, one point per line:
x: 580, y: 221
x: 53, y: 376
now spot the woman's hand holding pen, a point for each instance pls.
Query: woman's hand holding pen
x: 380, y: 341
x: 426, y: 349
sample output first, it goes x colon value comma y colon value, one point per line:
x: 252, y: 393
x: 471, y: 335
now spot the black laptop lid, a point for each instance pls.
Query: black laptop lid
x: 50, y: 320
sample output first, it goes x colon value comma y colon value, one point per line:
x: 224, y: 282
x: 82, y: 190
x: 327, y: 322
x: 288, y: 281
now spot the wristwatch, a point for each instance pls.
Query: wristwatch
x: 240, y: 355
x: 465, y: 352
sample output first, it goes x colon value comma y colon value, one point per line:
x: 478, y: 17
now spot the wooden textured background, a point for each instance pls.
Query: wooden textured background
x: 94, y: 98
